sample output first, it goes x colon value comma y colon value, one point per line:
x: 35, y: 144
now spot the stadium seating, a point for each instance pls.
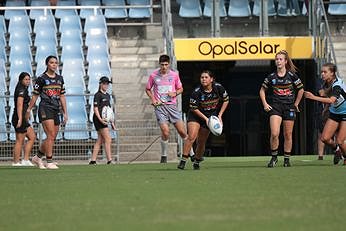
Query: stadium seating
x: 190, y: 9
x: 17, y: 66
x: 95, y: 22
x: 97, y: 50
x: 20, y: 51
x: 115, y: 12
x: 139, y: 12
x: 84, y: 13
x: 3, y: 120
x: 337, y: 9
x: 60, y: 13
x: 20, y: 36
x: 70, y: 22
x: 43, y: 50
x: 46, y: 37
x: 35, y: 13
x: 3, y: 55
x: 208, y: 5
x: 20, y: 22
x: 257, y: 8
x: 71, y: 37
x: 3, y: 88
x: 3, y: 28
x: 96, y: 36
x: 11, y: 13
x: 45, y: 23
x: 71, y: 52
x: 239, y: 8
x: 73, y: 72
x: 284, y: 10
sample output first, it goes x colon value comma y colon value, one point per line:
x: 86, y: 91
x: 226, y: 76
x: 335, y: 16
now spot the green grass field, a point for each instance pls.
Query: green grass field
x: 226, y: 194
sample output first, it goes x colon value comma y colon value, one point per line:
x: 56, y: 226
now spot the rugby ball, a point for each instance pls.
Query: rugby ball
x: 215, y: 125
x: 107, y: 114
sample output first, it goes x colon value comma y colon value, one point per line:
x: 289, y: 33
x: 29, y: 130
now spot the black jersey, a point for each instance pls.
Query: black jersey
x: 209, y: 103
x: 21, y: 91
x: 284, y: 88
x: 49, y: 90
x: 101, y: 100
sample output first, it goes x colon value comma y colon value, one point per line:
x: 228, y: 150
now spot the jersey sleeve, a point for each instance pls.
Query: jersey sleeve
x: 38, y: 86
x: 267, y: 82
x: 97, y: 99
x: 150, y: 82
x: 222, y: 93
x: 297, y: 82
x: 21, y: 92
x: 337, y: 91
x: 178, y: 83
x: 194, y: 100
x: 63, y: 90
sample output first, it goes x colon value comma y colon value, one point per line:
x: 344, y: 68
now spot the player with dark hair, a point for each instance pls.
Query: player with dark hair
x: 210, y: 98
x: 50, y: 87
x: 102, y: 99
x: 337, y: 112
x: 287, y: 91
x: 21, y: 125
x: 163, y: 87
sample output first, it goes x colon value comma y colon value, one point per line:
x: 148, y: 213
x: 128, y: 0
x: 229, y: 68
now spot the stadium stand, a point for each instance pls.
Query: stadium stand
x: 208, y: 5
x: 3, y: 28
x: 271, y: 8
x: 70, y: 22
x: 95, y: 22
x: 114, y: 13
x: 71, y: 37
x: 139, y: 12
x: 45, y: 23
x: 96, y: 36
x: 190, y: 9
x: 60, y: 13
x: 337, y: 9
x: 20, y: 22
x: 86, y: 12
x: 3, y: 120
x: 285, y: 10
x: 20, y: 54
x: 11, y: 13
x: 239, y: 8
x: 71, y: 52
x: 36, y: 13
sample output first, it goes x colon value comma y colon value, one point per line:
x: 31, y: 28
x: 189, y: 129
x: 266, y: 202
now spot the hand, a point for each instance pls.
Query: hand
x: 220, y: 118
x: 104, y: 121
x: 113, y: 126
x: 19, y: 124
x: 172, y: 94
x: 308, y: 95
x: 156, y: 103
x: 297, y: 107
x: 65, y: 119
x: 27, y: 115
x: 267, y: 108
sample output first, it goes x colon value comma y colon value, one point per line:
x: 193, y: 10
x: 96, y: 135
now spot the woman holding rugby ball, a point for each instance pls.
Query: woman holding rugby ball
x: 210, y: 98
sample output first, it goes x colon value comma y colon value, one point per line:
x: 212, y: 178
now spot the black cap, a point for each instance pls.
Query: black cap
x: 104, y: 79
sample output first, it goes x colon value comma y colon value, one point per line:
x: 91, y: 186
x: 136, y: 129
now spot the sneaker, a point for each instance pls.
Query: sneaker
x: 92, y: 162
x: 181, y: 164
x: 273, y: 161
x: 163, y: 159
x: 337, y: 156
x: 287, y: 162
x: 196, y: 165
x: 27, y: 163
x: 38, y: 162
x: 320, y: 158
x: 52, y: 166
x: 344, y: 162
x: 109, y: 162
x: 192, y: 158
x: 18, y: 164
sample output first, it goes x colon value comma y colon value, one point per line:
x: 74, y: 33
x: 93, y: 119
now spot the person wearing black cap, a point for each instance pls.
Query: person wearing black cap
x: 102, y: 99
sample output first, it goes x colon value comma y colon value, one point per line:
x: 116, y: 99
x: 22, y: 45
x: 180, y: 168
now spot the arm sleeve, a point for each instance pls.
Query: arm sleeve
x: 38, y: 86
x: 297, y: 82
x: 194, y: 101
x: 266, y: 83
x: 63, y: 90
x: 223, y: 93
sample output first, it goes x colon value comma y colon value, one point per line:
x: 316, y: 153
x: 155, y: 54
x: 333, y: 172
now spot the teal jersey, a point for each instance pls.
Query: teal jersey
x: 338, y: 91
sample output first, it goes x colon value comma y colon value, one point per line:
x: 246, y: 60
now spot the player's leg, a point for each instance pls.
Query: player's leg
x: 96, y: 148
x: 51, y: 130
x: 193, y: 128
x: 327, y: 137
x: 287, y: 130
x: 107, y: 139
x: 275, y: 124
x: 341, y: 138
x: 320, y: 147
x: 31, y: 136
x: 202, y: 138
x: 164, y: 127
x: 17, y: 149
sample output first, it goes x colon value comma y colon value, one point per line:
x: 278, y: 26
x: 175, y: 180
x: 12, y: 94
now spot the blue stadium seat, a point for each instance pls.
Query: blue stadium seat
x: 95, y: 22
x: 43, y: 50
x: 284, y: 10
x: 3, y: 28
x: 3, y: 120
x: 97, y: 50
x: 257, y: 8
x: 17, y: 66
x: 20, y: 22
x: 77, y: 127
x: 139, y: 12
x: 45, y: 23
x: 60, y: 13
x: 35, y: 13
x: 73, y: 72
x: 11, y: 13
x: 115, y: 12
x: 96, y: 36
x: 3, y: 87
x: 208, y: 5
x: 46, y: 37
x: 20, y: 51
x: 337, y: 9
x: 3, y: 44
x: 239, y: 8
x: 70, y: 22
x: 84, y: 13
x: 190, y: 9
x: 71, y: 52
x: 71, y: 37
x: 19, y: 36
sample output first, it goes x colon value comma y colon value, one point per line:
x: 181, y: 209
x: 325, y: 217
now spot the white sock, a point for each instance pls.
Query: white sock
x: 192, y: 153
x: 164, y: 147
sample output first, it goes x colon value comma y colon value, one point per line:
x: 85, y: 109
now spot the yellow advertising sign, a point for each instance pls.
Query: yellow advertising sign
x: 248, y: 48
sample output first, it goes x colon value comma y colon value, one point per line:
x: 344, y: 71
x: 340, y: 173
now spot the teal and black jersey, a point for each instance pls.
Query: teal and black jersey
x: 284, y: 88
x: 339, y: 92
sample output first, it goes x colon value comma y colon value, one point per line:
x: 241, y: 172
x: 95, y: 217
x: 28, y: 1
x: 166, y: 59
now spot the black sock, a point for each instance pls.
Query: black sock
x: 40, y: 154
x: 49, y: 159
x: 287, y: 155
x: 274, y: 153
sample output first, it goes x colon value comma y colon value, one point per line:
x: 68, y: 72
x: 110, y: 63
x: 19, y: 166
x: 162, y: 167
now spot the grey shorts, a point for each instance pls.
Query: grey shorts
x: 167, y: 113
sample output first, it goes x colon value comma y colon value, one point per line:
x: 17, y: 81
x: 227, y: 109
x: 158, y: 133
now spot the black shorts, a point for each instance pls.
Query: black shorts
x: 192, y: 117
x: 285, y: 111
x: 337, y: 117
x: 46, y: 113
x: 97, y: 123
x: 23, y: 128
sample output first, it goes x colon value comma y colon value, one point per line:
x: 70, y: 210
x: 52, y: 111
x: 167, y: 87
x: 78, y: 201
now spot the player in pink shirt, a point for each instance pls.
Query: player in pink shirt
x: 163, y: 87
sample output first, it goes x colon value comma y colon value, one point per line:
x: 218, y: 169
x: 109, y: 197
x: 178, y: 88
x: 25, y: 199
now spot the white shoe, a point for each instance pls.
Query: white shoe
x: 18, y: 164
x: 38, y: 162
x: 51, y: 166
x: 27, y: 163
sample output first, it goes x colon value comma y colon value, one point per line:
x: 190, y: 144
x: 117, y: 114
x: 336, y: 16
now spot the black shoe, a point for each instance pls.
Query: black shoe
x: 163, y: 159
x: 92, y: 162
x: 337, y: 157
x: 181, y: 164
x: 287, y: 162
x: 192, y: 158
x: 196, y: 166
x: 320, y: 158
x: 273, y: 161
x: 109, y: 162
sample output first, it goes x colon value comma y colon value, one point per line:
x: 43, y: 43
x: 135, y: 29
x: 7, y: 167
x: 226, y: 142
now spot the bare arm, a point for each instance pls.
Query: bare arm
x: 154, y: 102
x: 326, y: 100
x: 31, y: 105
x: 64, y: 108
x: 298, y: 99
x: 200, y: 115
x: 262, y: 94
x: 19, y: 105
x: 222, y: 110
